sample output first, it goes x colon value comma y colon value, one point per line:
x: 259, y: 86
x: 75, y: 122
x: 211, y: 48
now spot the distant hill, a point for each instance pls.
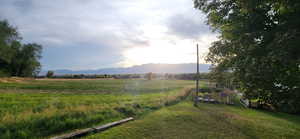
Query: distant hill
x: 145, y: 68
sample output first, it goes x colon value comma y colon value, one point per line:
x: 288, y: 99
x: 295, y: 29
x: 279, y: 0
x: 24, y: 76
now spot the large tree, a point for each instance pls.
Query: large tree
x: 259, y: 43
x: 8, y: 37
x: 17, y: 59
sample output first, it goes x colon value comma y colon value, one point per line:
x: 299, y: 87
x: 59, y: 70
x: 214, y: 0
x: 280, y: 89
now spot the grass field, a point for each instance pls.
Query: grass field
x: 184, y: 121
x: 42, y: 108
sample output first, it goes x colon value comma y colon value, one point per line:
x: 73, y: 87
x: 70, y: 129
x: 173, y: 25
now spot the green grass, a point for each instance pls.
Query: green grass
x: 42, y: 108
x: 183, y: 120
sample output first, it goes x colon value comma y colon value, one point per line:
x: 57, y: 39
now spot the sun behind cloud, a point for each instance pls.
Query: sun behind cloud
x: 164, y: 51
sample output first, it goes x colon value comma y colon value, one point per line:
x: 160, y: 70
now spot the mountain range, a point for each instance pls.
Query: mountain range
x: 139, y: 69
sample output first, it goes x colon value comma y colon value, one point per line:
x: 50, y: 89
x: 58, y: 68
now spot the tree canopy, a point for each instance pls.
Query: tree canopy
x: 17, y: 59
x: 259, y: 43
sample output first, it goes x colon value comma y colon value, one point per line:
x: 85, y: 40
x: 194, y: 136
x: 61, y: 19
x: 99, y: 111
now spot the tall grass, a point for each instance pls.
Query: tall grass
x: 37, y: 109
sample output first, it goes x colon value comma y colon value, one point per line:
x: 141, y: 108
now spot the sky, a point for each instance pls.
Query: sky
x: 94, y: 34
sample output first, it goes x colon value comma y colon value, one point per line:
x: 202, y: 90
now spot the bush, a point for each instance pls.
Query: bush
x: 50, y: 74
x: 3, y: 74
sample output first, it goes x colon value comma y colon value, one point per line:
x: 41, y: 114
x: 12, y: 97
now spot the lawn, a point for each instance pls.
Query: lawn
x: 43, y: 108
x: 183, y: 120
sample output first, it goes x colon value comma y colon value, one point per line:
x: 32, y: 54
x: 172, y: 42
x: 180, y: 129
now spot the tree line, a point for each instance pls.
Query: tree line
x: 149, y: 76
x: 259, y: 45
x: 16, y: 58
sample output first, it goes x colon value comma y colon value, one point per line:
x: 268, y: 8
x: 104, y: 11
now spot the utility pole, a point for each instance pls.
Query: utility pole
x: 197, y: 77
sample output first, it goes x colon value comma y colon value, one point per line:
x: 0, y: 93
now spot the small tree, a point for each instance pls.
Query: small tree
x: 149, y: 76
x: 50, y: 74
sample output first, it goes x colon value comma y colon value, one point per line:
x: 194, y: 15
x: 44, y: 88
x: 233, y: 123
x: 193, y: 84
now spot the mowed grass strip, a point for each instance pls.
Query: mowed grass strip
x: 183, y: 120
x: 35, y: 109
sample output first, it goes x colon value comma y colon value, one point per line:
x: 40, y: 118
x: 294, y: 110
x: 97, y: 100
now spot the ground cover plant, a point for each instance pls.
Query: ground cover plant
x: 42, y: 108
x: 184, y: 120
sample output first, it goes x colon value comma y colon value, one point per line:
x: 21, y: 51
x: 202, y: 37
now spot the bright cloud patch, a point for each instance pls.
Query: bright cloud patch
x: 165, y: 51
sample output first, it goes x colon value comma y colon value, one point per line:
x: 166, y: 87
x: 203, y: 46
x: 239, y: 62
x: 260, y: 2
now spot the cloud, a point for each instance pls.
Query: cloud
x: 83, y: 34
x: 187, y: 26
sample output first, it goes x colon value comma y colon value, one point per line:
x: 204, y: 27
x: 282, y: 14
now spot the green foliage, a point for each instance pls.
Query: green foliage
x: 8, y: 38
x: 17, y: 59
x: 50, y: 74
x: 223, y: 79
x: 188, y: 76
x: 259, y: 43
